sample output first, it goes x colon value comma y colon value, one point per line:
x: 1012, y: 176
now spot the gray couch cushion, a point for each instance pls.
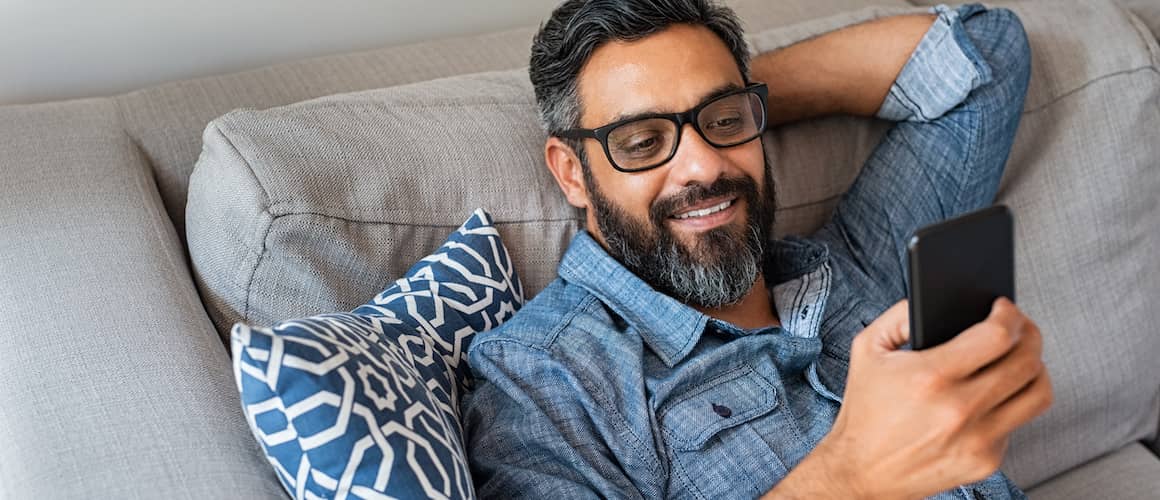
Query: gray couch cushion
x: 1130, y: 473
x: 313, y: 207
x: 112, y: 381
x: 167, y: 121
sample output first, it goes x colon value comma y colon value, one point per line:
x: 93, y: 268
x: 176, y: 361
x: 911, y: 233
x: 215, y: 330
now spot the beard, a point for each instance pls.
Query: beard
x: 720, y: 265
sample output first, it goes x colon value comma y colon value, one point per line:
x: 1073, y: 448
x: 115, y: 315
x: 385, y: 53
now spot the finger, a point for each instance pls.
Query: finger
x: 889, y: 331
x: 999, y: 381
x: 982, y: 343
x: 1030, y: 402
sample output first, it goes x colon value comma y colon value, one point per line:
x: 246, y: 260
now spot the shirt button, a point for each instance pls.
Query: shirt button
x: 724, y: 411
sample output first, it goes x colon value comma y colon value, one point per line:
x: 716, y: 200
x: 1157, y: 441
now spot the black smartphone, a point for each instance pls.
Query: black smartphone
x: 958, y: 267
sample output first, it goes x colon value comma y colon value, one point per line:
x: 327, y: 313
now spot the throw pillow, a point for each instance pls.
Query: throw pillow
x: 365, y: 404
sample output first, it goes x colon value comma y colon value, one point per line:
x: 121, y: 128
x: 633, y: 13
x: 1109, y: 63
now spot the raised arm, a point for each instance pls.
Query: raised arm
x: 957, y: 86
x: 846, y: 71
x: 957, y: 101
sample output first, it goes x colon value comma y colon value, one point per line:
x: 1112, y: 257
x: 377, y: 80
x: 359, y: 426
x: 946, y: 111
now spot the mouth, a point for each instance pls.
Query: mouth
x: 707, y: 215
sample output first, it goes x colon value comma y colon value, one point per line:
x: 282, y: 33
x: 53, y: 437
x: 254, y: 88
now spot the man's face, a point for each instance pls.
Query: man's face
x: 693, y: 227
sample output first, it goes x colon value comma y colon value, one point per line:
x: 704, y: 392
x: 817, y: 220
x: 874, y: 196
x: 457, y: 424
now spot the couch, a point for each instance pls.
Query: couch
x: 120, y: 276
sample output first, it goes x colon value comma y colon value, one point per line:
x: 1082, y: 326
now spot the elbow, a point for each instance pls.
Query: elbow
x: 999, y: 35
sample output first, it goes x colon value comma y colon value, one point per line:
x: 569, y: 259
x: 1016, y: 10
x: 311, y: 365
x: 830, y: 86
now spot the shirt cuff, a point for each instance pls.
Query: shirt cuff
x: 942, y: 71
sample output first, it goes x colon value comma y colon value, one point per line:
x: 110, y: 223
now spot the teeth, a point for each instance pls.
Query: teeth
x: 705, y: 211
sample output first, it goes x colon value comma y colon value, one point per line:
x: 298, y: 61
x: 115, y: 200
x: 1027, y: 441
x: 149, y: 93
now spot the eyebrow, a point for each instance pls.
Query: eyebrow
x: 709, y: 96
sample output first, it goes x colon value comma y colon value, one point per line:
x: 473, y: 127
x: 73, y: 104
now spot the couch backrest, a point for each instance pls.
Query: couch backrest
x: 166, y: 121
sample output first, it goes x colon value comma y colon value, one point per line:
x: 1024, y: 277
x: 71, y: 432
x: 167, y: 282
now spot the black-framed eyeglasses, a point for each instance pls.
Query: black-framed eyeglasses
x: 649, y: 141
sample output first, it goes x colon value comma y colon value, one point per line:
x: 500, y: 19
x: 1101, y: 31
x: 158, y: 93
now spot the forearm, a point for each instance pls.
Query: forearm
x: 845, y: 71
x: 820, y: 475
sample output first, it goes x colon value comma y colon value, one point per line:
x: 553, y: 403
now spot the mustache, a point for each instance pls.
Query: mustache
x: 743, y: 187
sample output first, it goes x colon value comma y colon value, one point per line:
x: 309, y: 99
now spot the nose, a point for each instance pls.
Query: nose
x: 696, y: 161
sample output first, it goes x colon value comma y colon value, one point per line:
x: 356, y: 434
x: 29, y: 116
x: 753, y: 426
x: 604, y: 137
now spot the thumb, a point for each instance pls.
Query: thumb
x: 891, y: 330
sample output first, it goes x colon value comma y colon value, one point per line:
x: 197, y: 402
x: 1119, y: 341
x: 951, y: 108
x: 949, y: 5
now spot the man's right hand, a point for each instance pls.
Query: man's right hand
x: 914, y: 423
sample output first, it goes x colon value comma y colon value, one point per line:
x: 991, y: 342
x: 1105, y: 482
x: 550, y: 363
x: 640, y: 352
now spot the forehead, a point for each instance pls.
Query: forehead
x: 669, y: 71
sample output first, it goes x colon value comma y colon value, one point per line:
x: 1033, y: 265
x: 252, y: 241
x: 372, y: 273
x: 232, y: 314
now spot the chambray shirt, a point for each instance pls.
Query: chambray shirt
x: 602, y: 387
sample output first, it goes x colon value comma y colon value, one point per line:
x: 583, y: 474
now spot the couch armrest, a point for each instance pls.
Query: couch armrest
x: 114, y: 382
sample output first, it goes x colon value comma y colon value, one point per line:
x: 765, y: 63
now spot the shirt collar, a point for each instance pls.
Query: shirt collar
x: 671, y: 329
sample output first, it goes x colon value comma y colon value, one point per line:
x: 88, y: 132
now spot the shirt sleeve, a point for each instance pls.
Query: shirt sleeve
x: 957, y: 101
x: 528, y: 434
x: 939, y: 74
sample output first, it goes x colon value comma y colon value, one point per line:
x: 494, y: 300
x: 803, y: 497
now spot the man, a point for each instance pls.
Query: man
x: 684, y: 353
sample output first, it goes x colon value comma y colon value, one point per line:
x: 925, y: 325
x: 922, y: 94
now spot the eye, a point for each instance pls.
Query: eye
x: 640, y: 144
x: 724, y: 123
x: 641, y: 141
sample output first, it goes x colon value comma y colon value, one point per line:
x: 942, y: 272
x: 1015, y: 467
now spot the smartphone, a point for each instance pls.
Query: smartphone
x: 958, y: 267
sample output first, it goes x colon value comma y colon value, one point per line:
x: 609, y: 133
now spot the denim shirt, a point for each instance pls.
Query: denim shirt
x: 602, y: 387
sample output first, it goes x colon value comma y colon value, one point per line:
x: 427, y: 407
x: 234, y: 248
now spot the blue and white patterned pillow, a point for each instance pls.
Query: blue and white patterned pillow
x: 365, y: 404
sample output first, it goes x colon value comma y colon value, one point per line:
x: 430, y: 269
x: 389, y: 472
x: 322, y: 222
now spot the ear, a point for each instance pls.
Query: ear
x: 566, y: 168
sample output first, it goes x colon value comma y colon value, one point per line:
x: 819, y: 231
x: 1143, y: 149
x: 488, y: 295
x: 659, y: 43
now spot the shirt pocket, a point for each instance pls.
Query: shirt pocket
x: 712, y: 436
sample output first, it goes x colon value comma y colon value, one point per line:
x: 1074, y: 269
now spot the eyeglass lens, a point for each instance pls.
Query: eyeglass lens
x: 727, y: 121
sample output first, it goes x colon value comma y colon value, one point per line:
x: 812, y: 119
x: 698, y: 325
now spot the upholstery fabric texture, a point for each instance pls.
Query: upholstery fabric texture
x: 366, y: 404
x: 113, y: 382
x: 166, y: 121
x: 282, y: 221
x: 1130, y: 473
x: 310, y: 208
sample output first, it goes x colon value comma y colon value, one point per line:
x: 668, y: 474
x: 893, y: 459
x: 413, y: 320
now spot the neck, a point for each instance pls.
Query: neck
x: 753, y: 311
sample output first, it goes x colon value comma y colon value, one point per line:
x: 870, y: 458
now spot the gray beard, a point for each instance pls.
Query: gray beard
x: 722, y: 265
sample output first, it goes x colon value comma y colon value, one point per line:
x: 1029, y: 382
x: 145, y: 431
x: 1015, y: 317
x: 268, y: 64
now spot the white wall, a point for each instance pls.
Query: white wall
x: 58, y: 49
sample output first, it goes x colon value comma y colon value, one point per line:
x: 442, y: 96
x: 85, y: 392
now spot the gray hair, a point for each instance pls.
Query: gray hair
x: 578, y: 27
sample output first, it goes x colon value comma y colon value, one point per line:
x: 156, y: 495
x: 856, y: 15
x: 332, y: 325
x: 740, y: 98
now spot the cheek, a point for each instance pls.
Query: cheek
x: 639, y: 192
x: 750, y: 158
x: 632, y: 192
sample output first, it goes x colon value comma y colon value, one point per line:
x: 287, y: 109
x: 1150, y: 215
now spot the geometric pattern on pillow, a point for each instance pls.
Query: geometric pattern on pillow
x: 365, y: 404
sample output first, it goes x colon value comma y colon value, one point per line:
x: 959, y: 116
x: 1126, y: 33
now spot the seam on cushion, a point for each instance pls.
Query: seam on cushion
x: 1089, y: 83
x: 444, y: 103
x: 409, y: 224
x: 217, y: 124
x: 254, y: 271
x: 820, y: 201
x: 260, y: 253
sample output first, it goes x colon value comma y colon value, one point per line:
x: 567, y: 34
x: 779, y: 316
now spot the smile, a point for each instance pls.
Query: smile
x: 705, y: 211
